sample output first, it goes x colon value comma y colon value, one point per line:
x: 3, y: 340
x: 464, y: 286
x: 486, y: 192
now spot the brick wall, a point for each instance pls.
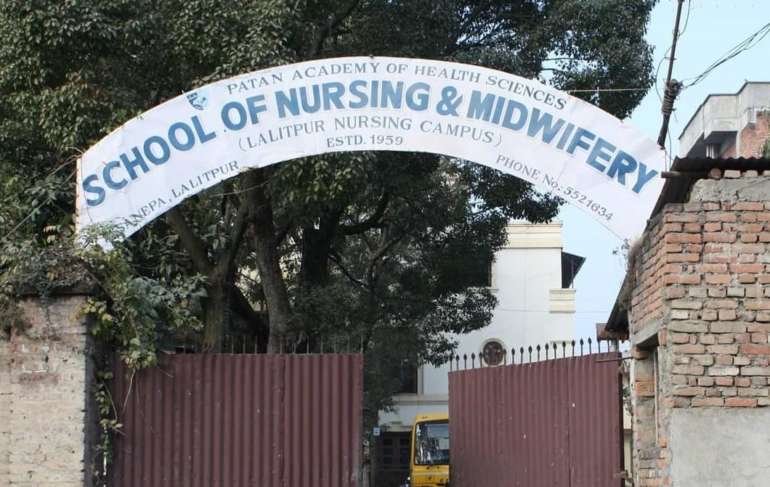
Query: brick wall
x: 44, y: 373
x: 700, y: 312
x: 753, y: 137
x: 647, y: 297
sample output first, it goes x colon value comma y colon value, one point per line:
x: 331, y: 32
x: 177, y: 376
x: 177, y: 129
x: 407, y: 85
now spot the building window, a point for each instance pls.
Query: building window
x: 493, y: 353
x: 407, y: 377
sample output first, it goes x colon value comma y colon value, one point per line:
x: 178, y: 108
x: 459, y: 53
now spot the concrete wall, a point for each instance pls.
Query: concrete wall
x: 45, y: 375
x: 532, y: 309
x: 718, y: 447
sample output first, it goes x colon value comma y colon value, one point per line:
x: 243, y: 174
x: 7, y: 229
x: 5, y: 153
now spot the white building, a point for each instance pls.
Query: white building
x: 729, y: 125
x: 532, y: 279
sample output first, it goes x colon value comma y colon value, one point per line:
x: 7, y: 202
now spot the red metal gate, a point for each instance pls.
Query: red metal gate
x: 240, y: 420
x: 555, y: 423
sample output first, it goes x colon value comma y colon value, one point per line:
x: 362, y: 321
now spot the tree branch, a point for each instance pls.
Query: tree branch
x: 332, y: 23
x: 379, y: 253
x: 334, y: 258
x: 190, y: 241
x: 236, y: 237
x: 283, y: 232
x: 244, y: 308
x: 370, y: 222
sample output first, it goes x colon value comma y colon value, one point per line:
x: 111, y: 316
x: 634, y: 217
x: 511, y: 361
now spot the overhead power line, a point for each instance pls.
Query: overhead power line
x: 668, y: 50
x: 596, y: 90
x: 743, y: 46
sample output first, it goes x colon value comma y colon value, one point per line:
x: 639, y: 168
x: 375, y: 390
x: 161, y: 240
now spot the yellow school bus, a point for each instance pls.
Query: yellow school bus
x: 429, y: 466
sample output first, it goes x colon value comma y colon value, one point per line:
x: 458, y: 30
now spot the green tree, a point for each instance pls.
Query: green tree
x: 380, y: 249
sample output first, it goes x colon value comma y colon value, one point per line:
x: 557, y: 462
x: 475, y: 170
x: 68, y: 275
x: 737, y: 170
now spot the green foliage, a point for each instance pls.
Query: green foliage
x: 133, y: 310
x: 383, y: 249
x: 28, y: 268
x: 127, y: 312
x: 766, y: 149
x: 108, y: 424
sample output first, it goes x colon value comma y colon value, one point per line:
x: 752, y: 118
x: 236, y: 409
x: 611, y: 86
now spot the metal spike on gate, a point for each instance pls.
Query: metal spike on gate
x: 589, y: 346
x: 547, y: 347
x: 465, y: 361
x: 581, y: 347
x: 530, y: 353
x: 573, y: 348
x: 538, y: 353
x: 473, y: 360
x: 521, y: 355
x: 563, y: 349
x: 513, y: 356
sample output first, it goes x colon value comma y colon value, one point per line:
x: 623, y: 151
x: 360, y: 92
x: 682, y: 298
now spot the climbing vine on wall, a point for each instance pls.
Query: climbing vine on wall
x: 134, y: 312
x: 126, y: 312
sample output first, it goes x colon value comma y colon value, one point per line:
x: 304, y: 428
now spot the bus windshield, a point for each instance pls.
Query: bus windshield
x: 431, y: 444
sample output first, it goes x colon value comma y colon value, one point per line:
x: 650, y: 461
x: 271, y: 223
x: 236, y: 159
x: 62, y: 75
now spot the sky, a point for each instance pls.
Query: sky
x: 714, y: 26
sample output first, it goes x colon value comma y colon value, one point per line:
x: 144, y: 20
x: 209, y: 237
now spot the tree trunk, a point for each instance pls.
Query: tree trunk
x: 268, y: 263
x: 316, y: 245
x: 215, y: 315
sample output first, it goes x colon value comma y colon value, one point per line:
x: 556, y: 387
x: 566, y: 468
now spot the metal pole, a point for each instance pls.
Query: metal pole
x: 671, y: 89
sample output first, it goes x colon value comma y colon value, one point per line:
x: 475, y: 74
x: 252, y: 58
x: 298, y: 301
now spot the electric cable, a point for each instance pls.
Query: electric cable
x: 751, y: 41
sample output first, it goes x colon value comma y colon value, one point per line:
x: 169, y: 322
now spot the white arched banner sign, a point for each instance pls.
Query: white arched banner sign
x: 560, y: 143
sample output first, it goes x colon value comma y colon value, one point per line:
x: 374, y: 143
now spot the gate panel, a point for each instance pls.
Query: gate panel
x: 240, y: 420
x: 546, y: 424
